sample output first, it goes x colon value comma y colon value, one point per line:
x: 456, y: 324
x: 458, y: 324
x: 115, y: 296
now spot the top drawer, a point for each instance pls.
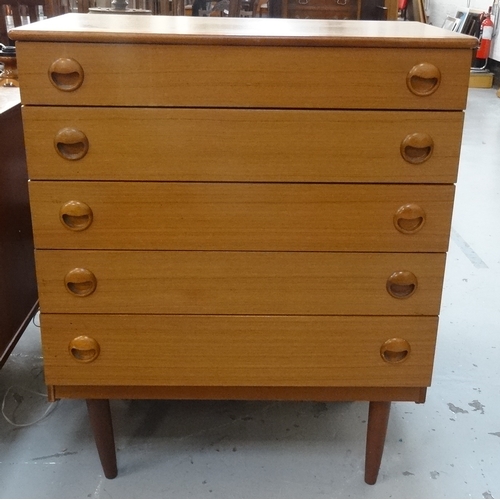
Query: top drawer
x: 102, y: 74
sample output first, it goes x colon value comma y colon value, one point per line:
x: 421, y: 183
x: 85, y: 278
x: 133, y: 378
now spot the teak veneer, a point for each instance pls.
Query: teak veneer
x: 240, y: 208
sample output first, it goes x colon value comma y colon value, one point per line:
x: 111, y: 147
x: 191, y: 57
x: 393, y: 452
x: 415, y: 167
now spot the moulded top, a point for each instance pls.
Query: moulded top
x: 188, y: 30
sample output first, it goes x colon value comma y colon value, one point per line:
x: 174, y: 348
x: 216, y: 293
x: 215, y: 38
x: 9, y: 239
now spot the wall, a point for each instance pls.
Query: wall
x: 439, y: 9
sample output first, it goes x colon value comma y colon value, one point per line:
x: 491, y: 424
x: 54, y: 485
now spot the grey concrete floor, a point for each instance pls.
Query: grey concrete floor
x: 447, y: 448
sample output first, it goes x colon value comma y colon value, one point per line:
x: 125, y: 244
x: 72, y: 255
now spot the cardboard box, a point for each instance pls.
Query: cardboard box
x: 481, y: 80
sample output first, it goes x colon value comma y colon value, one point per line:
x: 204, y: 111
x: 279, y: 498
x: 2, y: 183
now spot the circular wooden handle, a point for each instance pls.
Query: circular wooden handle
x: 402, y: 284
x: 423, y: 79
x: 395, y: 350
x: 80, y: 282
x: 84, y: 349
x: 71, y: 143
x: 409, y: 219
x: 75, y: 215
x: 66, y: 74
x: 417, y: 148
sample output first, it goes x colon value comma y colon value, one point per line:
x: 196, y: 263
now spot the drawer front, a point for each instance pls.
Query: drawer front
x: 226, y: 216
x: 323, y: 4
x: 242, y: 145
x: 238, y: 350
x: 322, y: 9
x: 263, y: 77
x: 299, y: 12
x: 239, y: 282
x: 321, y: 13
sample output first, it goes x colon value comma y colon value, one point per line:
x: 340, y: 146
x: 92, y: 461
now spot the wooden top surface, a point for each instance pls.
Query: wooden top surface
x: 116, y: 28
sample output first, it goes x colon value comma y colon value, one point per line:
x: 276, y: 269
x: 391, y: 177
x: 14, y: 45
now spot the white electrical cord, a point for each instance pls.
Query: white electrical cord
x: 50, y: 408
x: 48, y: 411
x: 36, y: 319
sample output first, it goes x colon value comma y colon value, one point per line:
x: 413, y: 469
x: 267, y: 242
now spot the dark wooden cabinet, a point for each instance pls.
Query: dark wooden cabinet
x: 334, y: 9
x: 322, y: 9
x: 18, y: 290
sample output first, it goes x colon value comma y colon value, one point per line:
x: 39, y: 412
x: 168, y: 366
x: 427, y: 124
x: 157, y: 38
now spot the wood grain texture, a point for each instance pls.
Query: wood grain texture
x: 274, y: 77
x: 238, y: 31
x: 242, y: 145
x: 241, y: 216
x: 238, y: 350
x: 239, y: 282
x: 415, y: 394
x: 229, y: 208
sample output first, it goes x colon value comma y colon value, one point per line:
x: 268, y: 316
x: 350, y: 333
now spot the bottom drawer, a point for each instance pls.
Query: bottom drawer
x: 301, y: 351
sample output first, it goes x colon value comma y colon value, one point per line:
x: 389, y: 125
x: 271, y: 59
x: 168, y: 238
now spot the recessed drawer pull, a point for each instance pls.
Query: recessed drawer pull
x: 409, y: 219
x: 417, y: 148
x: 402, y: 284
x: 395, y: 350
x: 71, y: 143
x: 66, y: 74
x: 423, y: 79
x: 75, y: 215
x: 80, y: 282
x: 84, y: 349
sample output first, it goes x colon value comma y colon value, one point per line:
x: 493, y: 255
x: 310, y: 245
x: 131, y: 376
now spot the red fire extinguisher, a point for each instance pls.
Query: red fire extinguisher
x: 485, y: 37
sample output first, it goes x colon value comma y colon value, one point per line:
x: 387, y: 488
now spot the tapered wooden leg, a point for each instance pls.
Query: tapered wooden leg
x: 102, y: 427
x: 378, y: 417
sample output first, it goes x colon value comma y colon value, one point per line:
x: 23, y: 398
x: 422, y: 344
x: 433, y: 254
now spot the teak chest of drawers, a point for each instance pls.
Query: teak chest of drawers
x: 240, y: 208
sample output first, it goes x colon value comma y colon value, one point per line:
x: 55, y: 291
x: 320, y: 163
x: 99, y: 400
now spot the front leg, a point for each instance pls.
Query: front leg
x: 378, y: 417
x: 102, y: 427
